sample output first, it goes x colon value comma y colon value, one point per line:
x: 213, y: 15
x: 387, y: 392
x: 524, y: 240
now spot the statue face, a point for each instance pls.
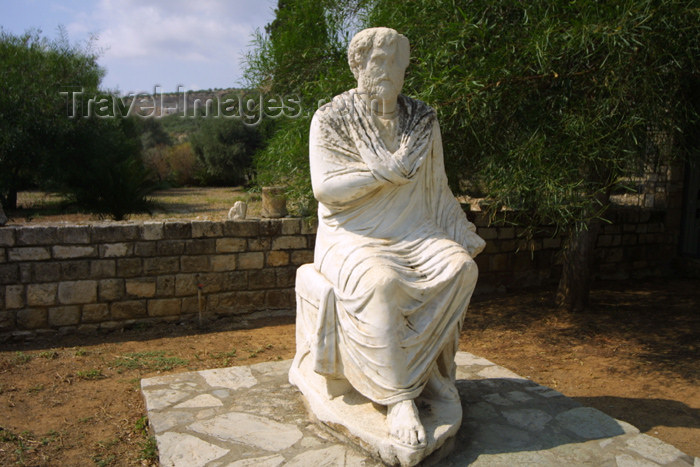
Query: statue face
x: 381, y: 75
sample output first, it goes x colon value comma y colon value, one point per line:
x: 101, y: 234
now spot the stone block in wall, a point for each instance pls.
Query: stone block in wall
x: 161, y: 265
x: 3, y: 255
x: 237, y: 302
x: 14, y: 297
x: 25, y: 273
x: 72, y: 251
x: 253, y: 260
x: 128, y: 309
x: 164, y: 307
x: 285, y: 277
x: 165, y: 286
x: 551, y: 243
x: 483, y: 263
x: 111, y: 289
x: 230, y: 245
x: 144, y: 287
x: 604, y: 240
x: 152, y: 230
x: 270, y: 227
x: 36, y: 235
x: 32, y: 318
x: 194, y: 263
x: 77, y: 292
x: 234, y: 280
x: 296, y: 242
x: 261, y: 279
x: 277, y: 258
x: 187, y: 284
x: 129, y: 267
x: 290, y: 226
x: 241, y: 228
x: 201, y: 229
x: 309, y: 226
x: 116, y: 250
x: 9, y: 274
x: 144, y: 249
x: 170, y: 247
x: 300, y: 257
x: 74, y: 270
x: 46, y: 272
x: 200, y: 246
x: 221, y: 263
x: 177, y: 230
x: 7, y: 236
x: 103, y: 268
x: 74, y: 234
x: 259, y: 244
x: 190, y: 305
x: 280, y: 299
x: 7, y: 320
x: 95, y: 313
x: 500, y: 262
x: 28, y: 254
x: 42, y: 294
x: 487, y: 233
x: 64, y: 316
x: 115, y: 233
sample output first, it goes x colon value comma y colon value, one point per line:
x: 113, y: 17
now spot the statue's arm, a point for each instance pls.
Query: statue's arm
x: 451, y: 217
x: 337, y: 179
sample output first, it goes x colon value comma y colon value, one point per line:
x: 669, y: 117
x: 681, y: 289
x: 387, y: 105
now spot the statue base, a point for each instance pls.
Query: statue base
x: 353, y: 418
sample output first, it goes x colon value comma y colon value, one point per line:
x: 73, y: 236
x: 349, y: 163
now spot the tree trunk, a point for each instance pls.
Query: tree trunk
x: 575, y: 283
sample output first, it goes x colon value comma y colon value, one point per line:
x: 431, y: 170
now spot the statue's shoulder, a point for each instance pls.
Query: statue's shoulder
x: 416, y: 107
x: 337, y: 108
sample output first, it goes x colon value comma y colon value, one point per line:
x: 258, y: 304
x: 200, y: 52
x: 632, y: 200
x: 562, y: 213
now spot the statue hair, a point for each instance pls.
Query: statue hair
x: 363, y: 41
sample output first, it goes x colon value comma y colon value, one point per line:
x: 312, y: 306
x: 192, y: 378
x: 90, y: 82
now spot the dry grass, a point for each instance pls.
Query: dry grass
x: 37, y: 207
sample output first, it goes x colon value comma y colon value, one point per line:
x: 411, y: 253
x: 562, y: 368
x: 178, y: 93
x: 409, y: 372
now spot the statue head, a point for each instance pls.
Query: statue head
x: 378, y: 58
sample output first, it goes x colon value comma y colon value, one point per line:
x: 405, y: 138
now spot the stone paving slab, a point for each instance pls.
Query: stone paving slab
x: 252, y: 416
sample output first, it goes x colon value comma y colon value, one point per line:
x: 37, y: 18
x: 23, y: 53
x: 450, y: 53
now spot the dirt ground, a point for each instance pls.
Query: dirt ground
x: 76, y: 400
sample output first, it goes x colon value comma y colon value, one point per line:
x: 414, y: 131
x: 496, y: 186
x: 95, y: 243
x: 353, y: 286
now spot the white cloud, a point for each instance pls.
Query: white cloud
x: 173, y: 34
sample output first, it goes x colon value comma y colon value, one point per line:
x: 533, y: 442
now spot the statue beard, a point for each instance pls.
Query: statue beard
x: 380, y: 88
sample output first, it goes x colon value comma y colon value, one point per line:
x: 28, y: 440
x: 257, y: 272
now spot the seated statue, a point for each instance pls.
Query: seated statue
x: 393, y: 243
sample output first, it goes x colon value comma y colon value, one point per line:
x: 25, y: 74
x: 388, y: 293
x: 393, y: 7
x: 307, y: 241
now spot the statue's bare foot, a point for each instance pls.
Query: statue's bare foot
x: 404, y: 423
x: 440, y: 388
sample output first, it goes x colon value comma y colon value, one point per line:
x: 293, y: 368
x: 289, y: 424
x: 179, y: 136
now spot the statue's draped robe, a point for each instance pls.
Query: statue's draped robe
x: 395, y: 245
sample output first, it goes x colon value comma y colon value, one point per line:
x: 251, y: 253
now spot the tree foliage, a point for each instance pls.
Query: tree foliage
x: 225, y: 147
x: 546, y: 105
x: 98, y: 166
x: 300, y: 55
x: 33, y: 72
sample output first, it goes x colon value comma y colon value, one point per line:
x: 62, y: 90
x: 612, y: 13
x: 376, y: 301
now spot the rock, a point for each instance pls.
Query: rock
x: 238, y: 211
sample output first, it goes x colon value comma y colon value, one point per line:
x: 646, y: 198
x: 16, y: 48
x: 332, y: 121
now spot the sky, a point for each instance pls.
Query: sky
x: 197, y: 44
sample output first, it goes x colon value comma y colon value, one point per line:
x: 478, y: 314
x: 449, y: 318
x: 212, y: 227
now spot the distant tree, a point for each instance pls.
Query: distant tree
x: 98, y: 166
x: 548, y: 104
x: 33, y: 115
x: 225, y: 149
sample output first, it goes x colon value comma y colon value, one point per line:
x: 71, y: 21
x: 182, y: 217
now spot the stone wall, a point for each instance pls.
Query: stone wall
x: 85, y: 278
x: 88, y: 277
x: 637, y: 243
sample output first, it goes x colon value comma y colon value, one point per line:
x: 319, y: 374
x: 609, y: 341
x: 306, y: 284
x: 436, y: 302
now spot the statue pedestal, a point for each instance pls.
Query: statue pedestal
x: 353, y: 418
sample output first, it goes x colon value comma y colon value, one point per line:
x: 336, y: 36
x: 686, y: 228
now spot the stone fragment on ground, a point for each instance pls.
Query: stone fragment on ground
x: 252, y: 416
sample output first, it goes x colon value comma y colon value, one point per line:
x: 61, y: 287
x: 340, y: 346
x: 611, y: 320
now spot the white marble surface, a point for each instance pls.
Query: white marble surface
x: 393, y: 245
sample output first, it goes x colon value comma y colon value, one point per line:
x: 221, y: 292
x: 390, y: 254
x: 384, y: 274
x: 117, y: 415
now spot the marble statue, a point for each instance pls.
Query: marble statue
x: 381, y: 308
